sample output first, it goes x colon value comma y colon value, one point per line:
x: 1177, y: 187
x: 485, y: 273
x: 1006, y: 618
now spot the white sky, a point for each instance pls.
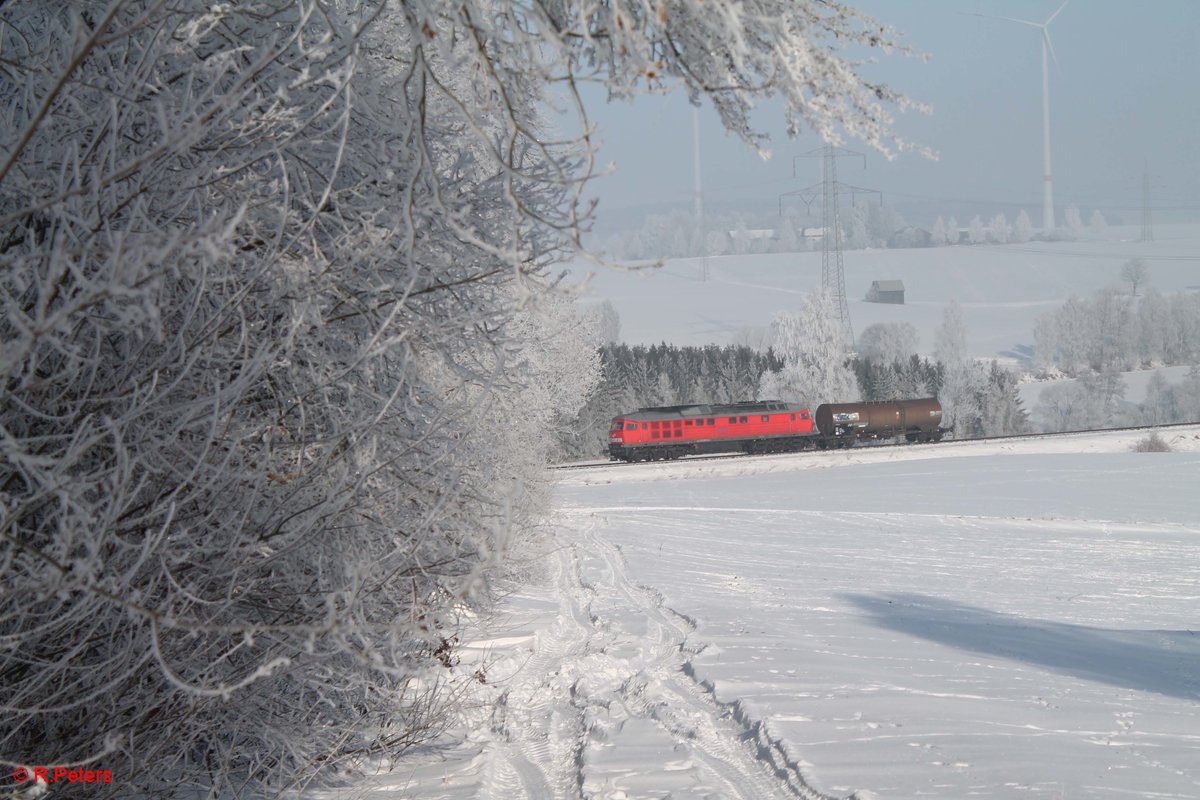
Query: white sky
x: 1124, y: 90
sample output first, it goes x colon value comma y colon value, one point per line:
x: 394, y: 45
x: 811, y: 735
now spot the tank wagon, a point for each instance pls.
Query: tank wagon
x: 842, y: 424
x: 667, y: 432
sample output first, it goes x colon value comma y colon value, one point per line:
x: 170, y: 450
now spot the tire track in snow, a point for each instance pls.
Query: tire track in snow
x: 735, y: 754
x: 536, y: 729
x: 606, y: 708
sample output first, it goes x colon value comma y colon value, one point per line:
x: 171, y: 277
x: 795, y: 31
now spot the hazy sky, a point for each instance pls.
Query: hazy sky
x: 1124, y: 90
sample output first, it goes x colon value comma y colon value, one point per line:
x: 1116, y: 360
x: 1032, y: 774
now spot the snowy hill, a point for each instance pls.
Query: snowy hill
x: 988, y: 619
x: 1002, y: 288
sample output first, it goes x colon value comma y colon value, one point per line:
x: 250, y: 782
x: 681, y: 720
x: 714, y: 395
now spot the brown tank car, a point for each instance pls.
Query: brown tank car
x: 841, y: 424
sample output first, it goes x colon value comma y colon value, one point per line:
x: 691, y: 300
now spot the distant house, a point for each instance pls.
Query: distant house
x: 761, y: 234
x: 886, y: 292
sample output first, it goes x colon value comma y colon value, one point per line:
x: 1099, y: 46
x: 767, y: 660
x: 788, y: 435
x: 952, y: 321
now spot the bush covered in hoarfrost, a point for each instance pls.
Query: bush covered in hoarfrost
x: 1153, y: 443
x: 279, y: 348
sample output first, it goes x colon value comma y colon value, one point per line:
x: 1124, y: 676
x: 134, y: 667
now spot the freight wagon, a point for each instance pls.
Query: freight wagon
x: 842, y: 424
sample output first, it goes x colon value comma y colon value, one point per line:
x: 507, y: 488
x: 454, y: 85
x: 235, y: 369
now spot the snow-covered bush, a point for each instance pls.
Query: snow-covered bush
x: 1152, y: 444
x: 275, y: 372
x: 279, y: 346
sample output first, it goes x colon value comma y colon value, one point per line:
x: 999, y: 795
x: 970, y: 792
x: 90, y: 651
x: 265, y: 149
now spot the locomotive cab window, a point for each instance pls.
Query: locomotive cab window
x: 631, y: 426
x: 803, y: 415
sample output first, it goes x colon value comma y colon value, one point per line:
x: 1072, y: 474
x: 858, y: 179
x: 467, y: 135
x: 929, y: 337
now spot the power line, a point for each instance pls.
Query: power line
x: 833, y: 273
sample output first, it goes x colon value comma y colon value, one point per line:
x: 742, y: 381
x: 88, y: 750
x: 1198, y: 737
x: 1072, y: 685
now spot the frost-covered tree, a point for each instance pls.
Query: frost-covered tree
x: 885, y: 384
x: 717, y: 243
x: 1000, y: 231
x: 1097, y: 223
x: 607, y: 321
x: 1135, y: 273
x: 1187, y: 396
x: 1073, y: 221
x: 857, y: 235
x: 950, y: 339
x: 962, y: 382
x: 939, y: 232
x: 279, y: 339
x: 276, y: 317
x: 1153, y: 327
x: 882, y: 221
x: 1000, y: 409
x: 814, y: 355
x: 1022, y: 228
x: 1090, y: 403
x: 788, y: 242
x: 1159, y: 407
x: 952, y: 232
x: 975, y: 231
x: 886, y: 342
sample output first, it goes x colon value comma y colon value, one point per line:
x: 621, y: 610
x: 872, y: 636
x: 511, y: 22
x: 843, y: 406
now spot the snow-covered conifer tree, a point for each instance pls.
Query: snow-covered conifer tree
x: 1000, y: 405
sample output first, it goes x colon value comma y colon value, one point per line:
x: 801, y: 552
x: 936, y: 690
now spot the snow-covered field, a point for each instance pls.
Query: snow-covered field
x: 1003, y: 289
x: 976, y: 619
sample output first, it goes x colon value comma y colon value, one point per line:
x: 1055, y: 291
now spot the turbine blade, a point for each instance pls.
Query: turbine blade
x: 1009, y: 19
x: 1056, y: 13
x: 1050, y: 47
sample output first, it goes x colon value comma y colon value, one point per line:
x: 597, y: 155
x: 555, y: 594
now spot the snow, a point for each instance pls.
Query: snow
x: 1003, y: 289
x: 997, y: 619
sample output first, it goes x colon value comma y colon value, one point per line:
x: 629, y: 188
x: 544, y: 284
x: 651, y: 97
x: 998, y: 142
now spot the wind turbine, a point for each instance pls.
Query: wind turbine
x: 1047, y: 54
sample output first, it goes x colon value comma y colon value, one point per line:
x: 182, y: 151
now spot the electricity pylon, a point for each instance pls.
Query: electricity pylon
x: 833, y: 273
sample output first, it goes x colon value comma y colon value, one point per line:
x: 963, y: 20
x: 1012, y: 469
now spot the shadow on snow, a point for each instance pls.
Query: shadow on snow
x: 1164, y: 662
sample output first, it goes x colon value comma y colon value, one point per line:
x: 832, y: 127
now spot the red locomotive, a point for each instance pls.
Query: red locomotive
x: 768, y: 426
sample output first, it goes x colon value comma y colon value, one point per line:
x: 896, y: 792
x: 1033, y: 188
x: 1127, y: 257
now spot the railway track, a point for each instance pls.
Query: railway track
x: 597, y: 464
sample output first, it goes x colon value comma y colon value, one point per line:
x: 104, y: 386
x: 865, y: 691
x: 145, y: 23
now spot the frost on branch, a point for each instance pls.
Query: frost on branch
x: 281, y: 352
